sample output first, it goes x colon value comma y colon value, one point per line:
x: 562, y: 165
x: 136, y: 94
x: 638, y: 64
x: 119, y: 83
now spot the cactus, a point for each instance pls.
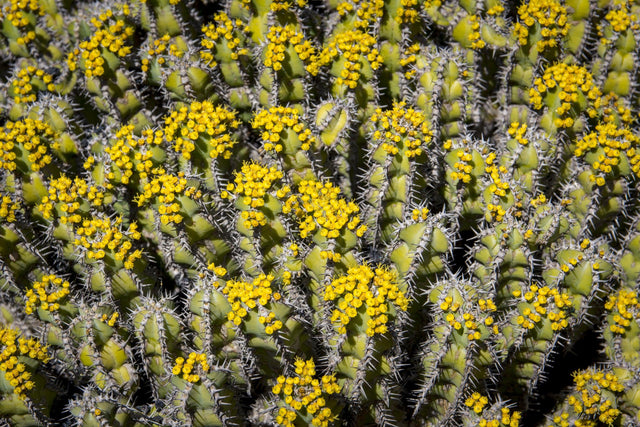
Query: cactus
x: 336, y: 212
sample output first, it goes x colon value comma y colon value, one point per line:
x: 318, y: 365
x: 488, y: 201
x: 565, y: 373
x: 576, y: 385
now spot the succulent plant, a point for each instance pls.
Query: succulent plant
x: 338, y: 212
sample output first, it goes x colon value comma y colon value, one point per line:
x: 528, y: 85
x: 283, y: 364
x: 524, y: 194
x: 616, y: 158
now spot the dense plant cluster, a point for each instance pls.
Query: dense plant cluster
x: 329, y: 212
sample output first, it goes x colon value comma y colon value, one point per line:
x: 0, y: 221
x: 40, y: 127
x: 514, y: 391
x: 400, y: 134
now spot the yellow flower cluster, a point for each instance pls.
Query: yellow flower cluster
x: 8, y: 208
x: 496, y: 212
x: 46, y: 294
x: 318, y: 206
x: 620, y: 18
x: 495, y: 10
x: 15, y: 372
x: 625, y: 307
x: 223, y: 31
x: 245, y: 296
x: 34, y: 136
x: 462, y: 166
x: 407, y: 128
x: 96, y: 235
x: 562, y: 420
x: 279, y: 37
x: 429, y: 4
x: 283, y: 5
x: 408, y: 12
x: 23, y: 85
x: 474, y: 35
x: 276, y: 124
x: 367, y: 12
x: 549, y: 15
x: 477, y: 402
x: 487, y: 305
x: 591, y: 385
x: 131, y: 153
x: 294, y: 249
x: 568, y: 83
x: 72, y: 59
x: 498, y: 187
x: 573, y: 262
x: 506, y: 418
x: 306, y: 395
x: 517, y: 131
x: 585, y: 244
x: 252, y: 184
x: 159, y: 45
x: 201, y: 120
x: 112, y: 37
x: 164, y: 189
x: 271, y: 323
x: 543, y: 302
x: 218, y: 270
x: 16, y: 11
x: 355, y: 47
x: 609, y: 143
x: 408, y: 58
x: 333, y: 256
x: 68, y: 196
x: 466, y: 320
x: 160, y: 48
x: 111, y: 321
x: 185, y: 367
x: 279, y: 5
x: 365, y: 290
x: 616, y: 109
x: 540, y: 200
x: 286, y: 277
x: 419, y: 214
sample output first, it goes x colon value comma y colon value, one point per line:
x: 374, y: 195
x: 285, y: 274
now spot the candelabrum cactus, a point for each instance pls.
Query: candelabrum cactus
x: 326, y: 212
